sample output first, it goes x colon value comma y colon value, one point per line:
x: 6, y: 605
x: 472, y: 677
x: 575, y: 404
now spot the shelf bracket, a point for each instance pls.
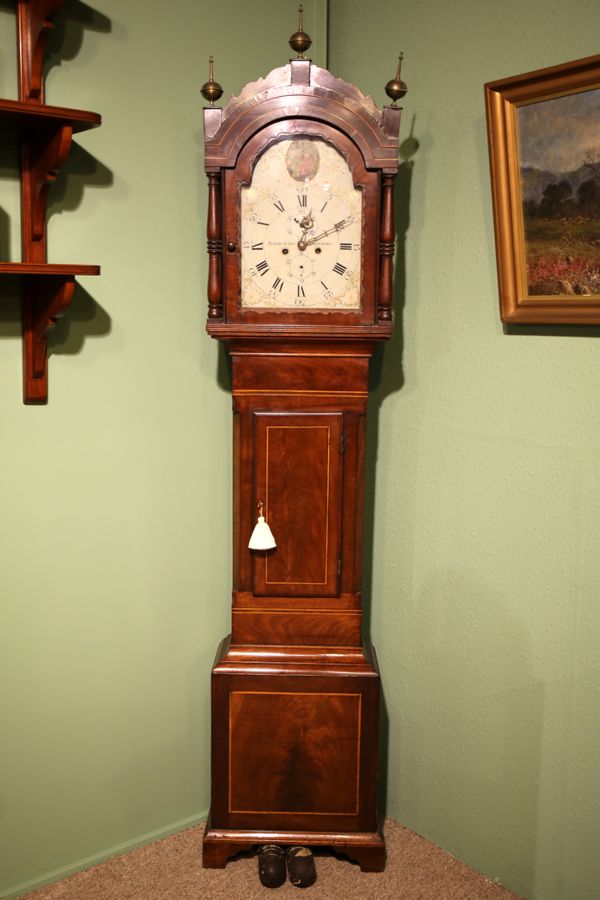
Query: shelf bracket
x: 44, y: 299
x: 34, y: 22
x: 41, y: 160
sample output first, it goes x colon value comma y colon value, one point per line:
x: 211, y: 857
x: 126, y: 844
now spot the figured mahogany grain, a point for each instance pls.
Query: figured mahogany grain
x: 286, y: 627
x: 303, y: 749
x: 297, y: 473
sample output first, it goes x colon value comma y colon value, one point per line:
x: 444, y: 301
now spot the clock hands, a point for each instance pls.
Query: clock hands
x: 303, y: 243
x: 337, y: 227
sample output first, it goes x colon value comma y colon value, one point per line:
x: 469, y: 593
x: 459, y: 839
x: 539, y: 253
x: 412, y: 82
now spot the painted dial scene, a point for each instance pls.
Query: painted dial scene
x: 301, y: 229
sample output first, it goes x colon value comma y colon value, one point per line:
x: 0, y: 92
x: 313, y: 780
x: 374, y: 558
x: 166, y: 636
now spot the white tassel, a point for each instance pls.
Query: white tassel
x: 262, y: 536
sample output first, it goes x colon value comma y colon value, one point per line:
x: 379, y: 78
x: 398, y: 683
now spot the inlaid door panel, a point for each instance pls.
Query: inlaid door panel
x: 298, y: 476
x: 294, y: 752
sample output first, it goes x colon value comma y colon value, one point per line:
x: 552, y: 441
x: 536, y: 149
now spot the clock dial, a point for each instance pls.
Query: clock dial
x: 301, y: 229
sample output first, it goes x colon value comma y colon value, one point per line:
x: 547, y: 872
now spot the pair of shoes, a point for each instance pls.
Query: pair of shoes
x: 301, y: 867
x: 272, y: 864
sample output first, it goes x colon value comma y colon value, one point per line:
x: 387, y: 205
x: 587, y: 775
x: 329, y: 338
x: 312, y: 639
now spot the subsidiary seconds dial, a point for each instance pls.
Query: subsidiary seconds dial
x: 301, y: 229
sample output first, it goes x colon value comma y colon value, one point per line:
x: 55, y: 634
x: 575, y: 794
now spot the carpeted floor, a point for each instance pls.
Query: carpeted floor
x: 171, y: 869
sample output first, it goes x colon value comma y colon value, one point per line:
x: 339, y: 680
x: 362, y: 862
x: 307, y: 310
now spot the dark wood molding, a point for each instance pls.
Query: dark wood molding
x: 324, y: 98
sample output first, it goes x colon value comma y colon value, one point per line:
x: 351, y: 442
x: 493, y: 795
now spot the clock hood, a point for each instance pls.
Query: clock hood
x: 302, y: 90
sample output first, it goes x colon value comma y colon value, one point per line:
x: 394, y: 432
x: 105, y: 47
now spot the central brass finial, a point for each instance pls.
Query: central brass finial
x: 396, y: 88
x: 211, y: 90
x: 300, y: 40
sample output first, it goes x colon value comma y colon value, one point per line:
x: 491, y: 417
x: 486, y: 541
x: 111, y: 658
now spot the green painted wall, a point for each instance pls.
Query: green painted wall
x: 115, y: 498
x: 486, y: 571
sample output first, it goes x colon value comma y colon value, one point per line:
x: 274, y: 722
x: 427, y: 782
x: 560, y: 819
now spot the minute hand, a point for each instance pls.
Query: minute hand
x: 337, y: 227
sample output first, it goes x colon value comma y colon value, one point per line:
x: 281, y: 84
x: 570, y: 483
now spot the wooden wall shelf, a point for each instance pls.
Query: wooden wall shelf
x: 47, y: 269
x: 21, y: 114
x: 45, y: 134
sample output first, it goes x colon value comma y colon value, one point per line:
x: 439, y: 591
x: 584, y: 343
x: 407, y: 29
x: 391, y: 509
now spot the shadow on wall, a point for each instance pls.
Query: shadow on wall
x: 65, y: 39
x: 386, y: 374
x: 9, y: 173
x: 386, y: 377
x: 81, y: 170
x: 4, y: 234
x: 470, y: 708
x: 85, y: 318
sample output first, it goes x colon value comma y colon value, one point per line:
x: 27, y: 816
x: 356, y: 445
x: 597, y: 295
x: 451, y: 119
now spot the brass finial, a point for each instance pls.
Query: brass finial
x: 396, y: 88
x: 211, y: 90
x: 300, y: 40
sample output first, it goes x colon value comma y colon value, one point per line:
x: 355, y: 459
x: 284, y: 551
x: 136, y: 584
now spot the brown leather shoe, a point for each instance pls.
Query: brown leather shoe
x: 271, y: 865
x: 301, y: 867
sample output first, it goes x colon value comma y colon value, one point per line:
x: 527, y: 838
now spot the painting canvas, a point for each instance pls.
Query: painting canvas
x: 544, y: 143
x: 559, y: 164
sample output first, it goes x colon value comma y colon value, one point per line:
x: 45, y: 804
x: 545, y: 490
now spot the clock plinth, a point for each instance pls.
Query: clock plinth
x: 294, y: 752
x: 301, y: 169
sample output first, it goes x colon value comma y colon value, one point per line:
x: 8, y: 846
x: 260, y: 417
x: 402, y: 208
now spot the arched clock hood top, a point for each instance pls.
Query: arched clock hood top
x: 302, y: 90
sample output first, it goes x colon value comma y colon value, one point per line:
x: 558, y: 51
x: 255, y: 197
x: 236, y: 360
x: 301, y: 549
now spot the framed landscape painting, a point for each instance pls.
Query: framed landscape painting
x: 544, y: 142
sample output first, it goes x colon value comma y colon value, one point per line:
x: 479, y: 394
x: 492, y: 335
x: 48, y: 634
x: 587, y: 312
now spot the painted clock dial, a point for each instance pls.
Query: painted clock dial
x: 301, y: 224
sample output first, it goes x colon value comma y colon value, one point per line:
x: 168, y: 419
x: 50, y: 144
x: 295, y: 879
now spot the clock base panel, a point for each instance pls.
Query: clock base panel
x: 219, y: 846
x: 294, y: 751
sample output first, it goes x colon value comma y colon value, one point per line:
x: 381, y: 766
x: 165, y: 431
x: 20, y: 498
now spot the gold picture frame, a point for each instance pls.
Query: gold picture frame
x: 544, y: 144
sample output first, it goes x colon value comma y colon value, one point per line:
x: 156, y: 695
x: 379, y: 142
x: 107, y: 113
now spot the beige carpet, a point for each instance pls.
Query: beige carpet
x: 171, y: 869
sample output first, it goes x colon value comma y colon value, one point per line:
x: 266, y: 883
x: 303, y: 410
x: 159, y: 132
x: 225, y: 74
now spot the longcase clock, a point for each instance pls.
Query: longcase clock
x: 301, y: 168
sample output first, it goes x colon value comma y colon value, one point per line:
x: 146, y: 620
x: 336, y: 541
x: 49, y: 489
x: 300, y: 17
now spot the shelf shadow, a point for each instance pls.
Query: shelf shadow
x: 66, y: 38
x: 4, y: 234
x: 85, y: 318
x: 10, y: 307
x: 81, y: 170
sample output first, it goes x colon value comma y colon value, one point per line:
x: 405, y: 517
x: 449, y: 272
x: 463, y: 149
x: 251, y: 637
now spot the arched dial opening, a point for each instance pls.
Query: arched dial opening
x: 301, y: 226
x: 301, y: 216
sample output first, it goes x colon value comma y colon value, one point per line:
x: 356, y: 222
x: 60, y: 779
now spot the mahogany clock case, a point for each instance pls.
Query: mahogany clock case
x: 295, y: 688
